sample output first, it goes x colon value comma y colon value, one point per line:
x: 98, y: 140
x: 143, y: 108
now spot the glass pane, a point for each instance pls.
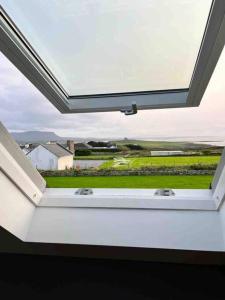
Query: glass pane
x: 112, y: 46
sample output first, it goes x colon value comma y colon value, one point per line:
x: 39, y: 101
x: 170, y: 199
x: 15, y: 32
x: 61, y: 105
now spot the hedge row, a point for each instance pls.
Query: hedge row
x: 93, y: 172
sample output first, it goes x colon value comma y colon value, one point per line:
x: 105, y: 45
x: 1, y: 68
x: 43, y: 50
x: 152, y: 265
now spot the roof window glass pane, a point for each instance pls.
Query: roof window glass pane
x: 114, y: 46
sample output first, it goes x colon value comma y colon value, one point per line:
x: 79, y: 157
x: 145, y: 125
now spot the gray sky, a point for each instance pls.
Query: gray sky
x: 23, y: 107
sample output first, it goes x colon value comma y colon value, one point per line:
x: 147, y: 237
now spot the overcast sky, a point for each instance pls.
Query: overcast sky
x: 23, y: 107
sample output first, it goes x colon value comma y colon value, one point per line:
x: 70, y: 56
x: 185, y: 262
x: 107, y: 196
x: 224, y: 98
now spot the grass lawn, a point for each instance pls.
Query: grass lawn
x: 139, y: 162
x: 179, y: 182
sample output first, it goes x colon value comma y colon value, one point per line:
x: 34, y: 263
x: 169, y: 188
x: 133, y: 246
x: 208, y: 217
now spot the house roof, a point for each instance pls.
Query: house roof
x: 57, y: 150
x: 81, y: 146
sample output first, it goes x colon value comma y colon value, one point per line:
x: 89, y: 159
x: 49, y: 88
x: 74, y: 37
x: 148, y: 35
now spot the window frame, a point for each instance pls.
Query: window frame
x: 16, y: 166
x: 15, y: 47
x: 184, y: 199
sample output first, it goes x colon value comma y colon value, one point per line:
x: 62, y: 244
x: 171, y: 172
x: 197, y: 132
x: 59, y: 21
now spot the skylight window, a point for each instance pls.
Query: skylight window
x: 101, y: 47
x: 97, y: 55
x: 90, y: 56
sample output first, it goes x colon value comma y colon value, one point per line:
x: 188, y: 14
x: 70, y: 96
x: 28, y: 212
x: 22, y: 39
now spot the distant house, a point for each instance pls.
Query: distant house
x: 51, y: 157
x: 82, y: 146
x: 113, y: 147
x: 24, y: 148
x: 166, y: 153
x: 102, y: 145
x: 69, y: 145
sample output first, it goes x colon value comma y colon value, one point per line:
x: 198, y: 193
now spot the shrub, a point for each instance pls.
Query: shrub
x: 100, y: 144
x: 134, y: 147
x: 110, y: 150
x: 83, y: 152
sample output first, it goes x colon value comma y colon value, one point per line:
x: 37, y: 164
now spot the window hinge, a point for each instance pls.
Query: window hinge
x: 131, y: 111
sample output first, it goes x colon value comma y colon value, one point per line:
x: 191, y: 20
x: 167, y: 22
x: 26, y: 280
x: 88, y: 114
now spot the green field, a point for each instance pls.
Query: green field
x: 179, y: 182
x: 163, y: 145
x: 140, y: 162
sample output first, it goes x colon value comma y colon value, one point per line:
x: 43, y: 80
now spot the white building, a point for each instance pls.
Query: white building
x: 51, y: 157
x: 166, y: 153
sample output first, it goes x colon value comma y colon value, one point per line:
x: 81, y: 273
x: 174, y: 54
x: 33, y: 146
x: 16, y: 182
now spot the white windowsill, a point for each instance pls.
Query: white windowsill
x: 188, y: 199
x: 180, y: 229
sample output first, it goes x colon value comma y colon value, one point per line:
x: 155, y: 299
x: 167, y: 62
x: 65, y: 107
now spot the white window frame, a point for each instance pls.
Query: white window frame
x: 184, y: 199
x: 19, y: 170
x: 14, y: 46
x: 17, y: 167
x: 191, y: 220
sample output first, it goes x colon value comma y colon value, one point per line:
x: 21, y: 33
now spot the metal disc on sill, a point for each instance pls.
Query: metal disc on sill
x: 84, y: 191
x: 164, y: 192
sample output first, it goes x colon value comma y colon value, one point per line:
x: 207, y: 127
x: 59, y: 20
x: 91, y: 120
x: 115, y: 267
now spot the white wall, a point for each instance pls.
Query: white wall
x: 222, y: 219
x: 166, y: 153
x: 172, y: 229
x: 43, y: 159
x: 16, y: 211
x: 65, y: 162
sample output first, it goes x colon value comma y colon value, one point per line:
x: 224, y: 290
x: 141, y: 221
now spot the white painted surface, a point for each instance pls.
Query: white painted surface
x: 65, y: 162
x: 149, y: 228
x: 222, y: 219
x: 16, y: 211
x: 172, y: 229
x: 218, y: 183
x: 193, y: 230
x: 18, y: 175
x: 12, y: 149
x: 43, y: 159
x: 129, y: 198
x: 166, y: 153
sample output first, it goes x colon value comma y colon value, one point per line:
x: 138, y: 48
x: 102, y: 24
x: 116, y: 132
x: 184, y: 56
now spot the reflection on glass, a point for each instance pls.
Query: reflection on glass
x: 111, y: 46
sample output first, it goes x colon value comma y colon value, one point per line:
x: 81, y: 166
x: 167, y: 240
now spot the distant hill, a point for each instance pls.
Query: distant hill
x: 35, y: 136
x: 45, y: 136
x: 163, y: 145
